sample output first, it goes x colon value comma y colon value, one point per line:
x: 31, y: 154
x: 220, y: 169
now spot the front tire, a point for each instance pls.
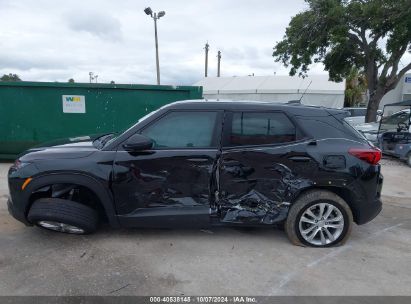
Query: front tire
x: 319, y: 218
x: 63, y: 216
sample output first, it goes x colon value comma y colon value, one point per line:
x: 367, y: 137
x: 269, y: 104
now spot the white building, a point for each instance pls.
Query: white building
x: 401, y: 92
x: 318, y: 89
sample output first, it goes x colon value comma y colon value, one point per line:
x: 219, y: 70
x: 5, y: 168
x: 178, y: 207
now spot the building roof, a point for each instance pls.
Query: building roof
x: 271, y: 84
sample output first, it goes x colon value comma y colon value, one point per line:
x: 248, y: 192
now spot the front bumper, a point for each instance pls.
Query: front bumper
x: 17, y: 213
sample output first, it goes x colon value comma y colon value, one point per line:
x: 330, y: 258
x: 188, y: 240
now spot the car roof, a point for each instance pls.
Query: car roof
x: 249, y: 105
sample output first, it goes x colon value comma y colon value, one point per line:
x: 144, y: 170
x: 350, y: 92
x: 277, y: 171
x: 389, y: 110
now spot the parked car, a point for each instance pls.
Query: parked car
x: 357, y: 119
x: 357, y: 115
x: 369, y: 130
x: 207, y: 163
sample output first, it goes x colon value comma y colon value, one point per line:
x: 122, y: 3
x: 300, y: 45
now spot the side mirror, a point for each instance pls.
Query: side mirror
x: 138, y: 142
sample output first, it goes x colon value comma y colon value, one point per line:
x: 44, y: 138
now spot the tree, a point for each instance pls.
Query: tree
x: 71, y: 80
x: 10, y: 77
x: 355, y: 88
x: 112, y: 82
x: 370, y: 35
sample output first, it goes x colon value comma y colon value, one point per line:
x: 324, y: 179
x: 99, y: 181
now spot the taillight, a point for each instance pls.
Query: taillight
x: 371, y: 156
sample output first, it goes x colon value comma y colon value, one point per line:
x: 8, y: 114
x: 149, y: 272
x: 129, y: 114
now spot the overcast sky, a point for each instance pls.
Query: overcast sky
x: 54, y: 40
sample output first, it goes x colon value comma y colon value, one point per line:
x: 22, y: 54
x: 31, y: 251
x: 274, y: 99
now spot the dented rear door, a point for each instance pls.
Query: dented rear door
x: 260, y: 167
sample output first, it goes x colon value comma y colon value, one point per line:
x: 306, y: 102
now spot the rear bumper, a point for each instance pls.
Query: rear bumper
x: 369, y: 209
x: 369, y: 214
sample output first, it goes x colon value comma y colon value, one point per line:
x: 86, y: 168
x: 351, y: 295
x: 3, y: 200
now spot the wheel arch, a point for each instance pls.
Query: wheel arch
x: 103, y: 195
x: 344, y: 193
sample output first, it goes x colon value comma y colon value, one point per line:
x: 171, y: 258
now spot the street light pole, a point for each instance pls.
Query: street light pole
x: 207, y: 46
x: 155, y: 17
x: 156, y: 38
x: 219, y: 62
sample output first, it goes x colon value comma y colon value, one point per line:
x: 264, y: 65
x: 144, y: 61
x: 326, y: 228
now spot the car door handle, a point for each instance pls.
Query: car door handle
x: 299, y: 159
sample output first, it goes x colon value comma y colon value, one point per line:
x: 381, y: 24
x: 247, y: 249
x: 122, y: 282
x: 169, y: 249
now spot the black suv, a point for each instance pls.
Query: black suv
x: 201, y: 163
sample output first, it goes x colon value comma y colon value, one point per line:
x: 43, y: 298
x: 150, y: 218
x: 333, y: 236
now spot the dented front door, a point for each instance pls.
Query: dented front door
x: 172, y: 183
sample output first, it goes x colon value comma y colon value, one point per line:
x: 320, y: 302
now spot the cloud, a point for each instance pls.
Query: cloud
x: 53, y: 41
x: 96, y: 23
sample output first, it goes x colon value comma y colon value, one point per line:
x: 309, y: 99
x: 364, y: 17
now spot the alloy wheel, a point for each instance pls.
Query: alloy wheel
x: 60, y: 227
x: 321, y: 224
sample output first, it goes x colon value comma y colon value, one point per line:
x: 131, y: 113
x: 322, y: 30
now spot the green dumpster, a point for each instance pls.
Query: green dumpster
x: 34, y: 112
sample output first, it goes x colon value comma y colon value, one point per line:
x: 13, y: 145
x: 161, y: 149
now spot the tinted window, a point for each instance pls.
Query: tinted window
x: 183, y: 130
x: 327, y: 127
x: 261, y: 129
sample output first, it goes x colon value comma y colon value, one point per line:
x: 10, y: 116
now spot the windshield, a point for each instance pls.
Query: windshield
x: 142, y: 119
x: 106, y: 139
x: 393, y: 116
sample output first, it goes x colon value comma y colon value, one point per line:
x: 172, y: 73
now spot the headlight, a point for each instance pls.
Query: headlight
x: 18, y: 164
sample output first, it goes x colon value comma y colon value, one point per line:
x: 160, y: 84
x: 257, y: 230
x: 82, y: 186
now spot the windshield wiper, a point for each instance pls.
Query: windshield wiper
x: 102, y: 140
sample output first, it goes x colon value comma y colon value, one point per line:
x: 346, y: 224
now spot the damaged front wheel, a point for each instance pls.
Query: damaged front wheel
x: 319, y: 219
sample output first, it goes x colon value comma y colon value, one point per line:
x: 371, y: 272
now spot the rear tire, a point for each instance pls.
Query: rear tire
x: 309, y: 215
x: 63, y: 216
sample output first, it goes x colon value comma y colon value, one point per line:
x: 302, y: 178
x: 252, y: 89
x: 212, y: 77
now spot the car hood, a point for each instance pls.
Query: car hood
x: 73, y: 147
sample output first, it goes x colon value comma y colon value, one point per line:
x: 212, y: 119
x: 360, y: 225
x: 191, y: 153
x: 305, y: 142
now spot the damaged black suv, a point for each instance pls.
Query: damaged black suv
x: 202, y: 163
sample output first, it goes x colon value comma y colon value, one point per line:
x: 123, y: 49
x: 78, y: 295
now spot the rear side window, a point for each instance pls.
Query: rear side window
x: 254, y: 128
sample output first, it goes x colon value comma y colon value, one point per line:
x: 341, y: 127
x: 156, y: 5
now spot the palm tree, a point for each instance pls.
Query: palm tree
x: 355, y: 88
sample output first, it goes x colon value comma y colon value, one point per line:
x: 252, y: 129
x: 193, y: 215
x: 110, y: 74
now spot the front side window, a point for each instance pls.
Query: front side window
x: 261, y: 129
x: 183, y: 130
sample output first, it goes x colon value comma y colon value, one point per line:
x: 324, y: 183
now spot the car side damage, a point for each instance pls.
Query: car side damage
x: 266, y: 200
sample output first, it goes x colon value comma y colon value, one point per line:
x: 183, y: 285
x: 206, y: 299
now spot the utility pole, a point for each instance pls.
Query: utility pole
x: 207, y: 46
x: 218, y: 65
x: 91, y: 76
x: 155, y: 17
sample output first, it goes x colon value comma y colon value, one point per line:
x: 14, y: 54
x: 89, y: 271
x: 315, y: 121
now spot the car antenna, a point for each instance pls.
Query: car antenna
x: 302, y: 95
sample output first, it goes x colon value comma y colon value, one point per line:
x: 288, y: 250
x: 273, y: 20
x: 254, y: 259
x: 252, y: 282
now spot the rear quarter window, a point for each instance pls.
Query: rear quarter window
x: 327, y: 127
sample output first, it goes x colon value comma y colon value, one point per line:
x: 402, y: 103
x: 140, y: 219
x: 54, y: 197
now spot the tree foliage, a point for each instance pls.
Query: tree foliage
x: 369, y: 35
x: 71, y: 80
x: 10, y: 77
x: 355, y: 88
